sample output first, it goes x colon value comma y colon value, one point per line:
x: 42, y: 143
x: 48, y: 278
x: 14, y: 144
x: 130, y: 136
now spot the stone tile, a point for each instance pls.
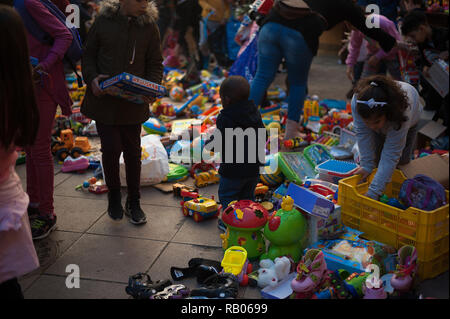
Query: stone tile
x: 203, y: 233
x: 162, y: 224
x: 48, y: 251
x: 252, y: 293
x: 108, y: 258
x: 178, y: 255
x: 152, y: 196
x: 54, y: 287
x: 75, y: 214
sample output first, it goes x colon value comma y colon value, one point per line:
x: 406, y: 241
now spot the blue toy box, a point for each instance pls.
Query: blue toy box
x: 132, y: 88
x: 354, y: 254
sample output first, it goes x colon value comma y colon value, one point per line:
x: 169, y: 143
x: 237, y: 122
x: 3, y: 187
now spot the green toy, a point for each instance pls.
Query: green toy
x: 286, y: 232
x: 244, y: 220
x: 177, y: 173
x: 295, y: 167
x: 354, y: 282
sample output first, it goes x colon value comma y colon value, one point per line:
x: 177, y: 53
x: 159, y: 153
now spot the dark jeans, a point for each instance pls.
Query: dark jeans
x: 116, y: 139
x: 236, y: 189
x: 10, y: 290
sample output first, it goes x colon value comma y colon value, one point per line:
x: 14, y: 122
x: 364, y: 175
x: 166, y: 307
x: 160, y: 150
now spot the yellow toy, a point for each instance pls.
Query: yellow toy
x: 310, y: 108
x: 206, y: 178
x: 234, y: 260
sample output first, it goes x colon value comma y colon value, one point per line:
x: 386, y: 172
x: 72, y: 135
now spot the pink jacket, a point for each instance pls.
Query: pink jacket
x: 357, y: 37
x: 50, y: 57
x: 17, y: 253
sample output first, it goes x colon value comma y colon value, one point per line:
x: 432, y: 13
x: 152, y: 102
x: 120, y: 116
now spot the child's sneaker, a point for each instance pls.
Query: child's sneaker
x: 406, y: 269
x: 42, y: 226
x: 134, y: 212
x: 311, y: 271
x: 221, y: 225
x: 115, y: 209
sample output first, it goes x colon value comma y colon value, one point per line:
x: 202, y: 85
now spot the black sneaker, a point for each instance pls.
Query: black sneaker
x: 33, y: 212
x: 115, y: 209
x: 42, y: 226
x: 135, y: 213
x: 221, y: 225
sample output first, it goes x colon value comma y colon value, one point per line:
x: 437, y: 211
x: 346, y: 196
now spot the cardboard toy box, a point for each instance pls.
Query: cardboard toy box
x: 353, y: 253
x: 434, y: 166
x: 132, y: 88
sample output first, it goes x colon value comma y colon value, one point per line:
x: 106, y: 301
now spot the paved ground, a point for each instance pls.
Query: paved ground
x: 108, y: 252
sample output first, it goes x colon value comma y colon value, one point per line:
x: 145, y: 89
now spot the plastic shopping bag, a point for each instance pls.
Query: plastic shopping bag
x: 155, y: 162
x: 246, y: 63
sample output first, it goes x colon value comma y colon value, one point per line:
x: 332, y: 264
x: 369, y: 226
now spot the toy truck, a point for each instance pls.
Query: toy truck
x: 65, y: 145
x: 200, y: 208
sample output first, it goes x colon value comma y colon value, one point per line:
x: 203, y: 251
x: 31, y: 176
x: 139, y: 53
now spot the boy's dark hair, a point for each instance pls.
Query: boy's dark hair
x: 413, y: 21
x: 382, y: 89
x: 19, y: 115
x: 236, y: 88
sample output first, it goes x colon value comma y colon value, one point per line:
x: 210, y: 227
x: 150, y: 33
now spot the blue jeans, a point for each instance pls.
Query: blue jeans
x: 276, y: 42
x: 236, y: 189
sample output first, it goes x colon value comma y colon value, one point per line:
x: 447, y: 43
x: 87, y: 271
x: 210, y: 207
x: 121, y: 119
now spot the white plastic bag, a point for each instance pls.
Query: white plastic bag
x: 155, y: 162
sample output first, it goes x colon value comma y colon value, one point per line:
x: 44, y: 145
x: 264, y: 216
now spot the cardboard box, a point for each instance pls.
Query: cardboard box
x: 132, y: 88
x: 354, y: 253
x: 434, y: 166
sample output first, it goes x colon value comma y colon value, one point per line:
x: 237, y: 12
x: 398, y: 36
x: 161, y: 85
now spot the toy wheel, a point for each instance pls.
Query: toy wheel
x: 198, y: 217
x: 249, y: 268
x: 62, y: 154
x: 244, y: 281
x: 185, y: 211
x: 76, y: 152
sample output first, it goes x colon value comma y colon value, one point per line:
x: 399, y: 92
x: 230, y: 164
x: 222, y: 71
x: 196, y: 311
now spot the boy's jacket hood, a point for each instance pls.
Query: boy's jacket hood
x: 110, y: 8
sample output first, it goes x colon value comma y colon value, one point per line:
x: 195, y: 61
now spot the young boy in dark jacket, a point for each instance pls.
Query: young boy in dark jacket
x: 124, y: 38
x: 243, y: 151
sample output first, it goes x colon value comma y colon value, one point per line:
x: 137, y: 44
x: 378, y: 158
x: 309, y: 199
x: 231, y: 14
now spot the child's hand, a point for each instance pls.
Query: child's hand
x: 96, y: 90
x: 350, y: 72
x: 373, y: 61
x: 38, y: 70
x: 426, y: 72
x: 364, y: 174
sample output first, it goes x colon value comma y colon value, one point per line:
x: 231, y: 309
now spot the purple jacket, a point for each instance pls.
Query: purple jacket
x: 50, y: 57
x: 357, y: 37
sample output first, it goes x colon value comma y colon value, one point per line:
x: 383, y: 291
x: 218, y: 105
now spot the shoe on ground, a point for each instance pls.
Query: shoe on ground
x: 42, y: 226
x: 115, y: 209
x: 221, y: 225
x: 135, y: 213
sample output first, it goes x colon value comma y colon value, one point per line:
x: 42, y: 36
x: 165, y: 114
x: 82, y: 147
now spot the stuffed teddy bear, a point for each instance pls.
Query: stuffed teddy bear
x: 271, y: 273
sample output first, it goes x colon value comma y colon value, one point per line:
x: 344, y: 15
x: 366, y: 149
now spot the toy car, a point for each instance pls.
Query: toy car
x: 200, y: 208
x: 178, y: 187
x: 261, y: 189
x: 206, y: 178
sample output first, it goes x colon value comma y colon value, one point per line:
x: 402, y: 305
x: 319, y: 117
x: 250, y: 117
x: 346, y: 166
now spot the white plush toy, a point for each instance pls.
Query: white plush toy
x: 271, y: 273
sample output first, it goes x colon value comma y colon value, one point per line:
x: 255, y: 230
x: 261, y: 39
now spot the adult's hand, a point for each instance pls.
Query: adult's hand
x: 364, y: 174
x: 96, y: 90
x: 351, y: 72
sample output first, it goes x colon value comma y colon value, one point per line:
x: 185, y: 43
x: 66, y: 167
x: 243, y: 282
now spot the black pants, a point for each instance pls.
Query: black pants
x: 116, y: 139
x: 10, y: 290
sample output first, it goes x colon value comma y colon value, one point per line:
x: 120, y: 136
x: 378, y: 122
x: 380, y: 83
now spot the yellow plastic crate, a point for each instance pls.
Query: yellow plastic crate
x: 428, y: 231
